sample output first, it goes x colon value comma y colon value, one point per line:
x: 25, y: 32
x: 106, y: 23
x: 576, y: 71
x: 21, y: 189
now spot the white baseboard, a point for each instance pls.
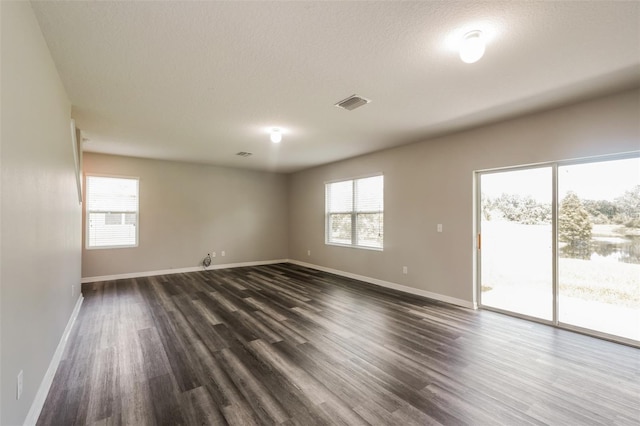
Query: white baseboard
x: 180, y: 270
x: 45, y: 385
x: 382, y: 283
x: 388, y: 284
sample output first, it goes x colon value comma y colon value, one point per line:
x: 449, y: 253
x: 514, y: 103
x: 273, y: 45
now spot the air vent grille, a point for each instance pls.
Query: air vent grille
x: 244, y: 154
x: 352, y: 102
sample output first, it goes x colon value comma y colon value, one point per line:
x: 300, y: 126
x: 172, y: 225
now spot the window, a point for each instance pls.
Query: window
x: 112, y: 212
x: 354, y: 212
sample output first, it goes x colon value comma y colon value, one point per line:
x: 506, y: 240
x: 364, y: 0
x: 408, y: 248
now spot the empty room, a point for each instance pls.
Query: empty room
x: 320, y: 213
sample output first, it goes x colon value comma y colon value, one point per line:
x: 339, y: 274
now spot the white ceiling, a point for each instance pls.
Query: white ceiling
x: 201, y: 81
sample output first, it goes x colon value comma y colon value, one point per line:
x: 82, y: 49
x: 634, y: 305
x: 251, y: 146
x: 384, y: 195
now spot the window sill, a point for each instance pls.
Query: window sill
x: 355, y: 247
x: 109, y: 247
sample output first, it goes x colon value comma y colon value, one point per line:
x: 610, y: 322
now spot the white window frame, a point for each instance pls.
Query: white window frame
x: 354, y: 214
x: 87, y: 213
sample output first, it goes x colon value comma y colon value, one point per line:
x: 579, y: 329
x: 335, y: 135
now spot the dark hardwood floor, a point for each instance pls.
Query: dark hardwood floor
x: 282, y: 344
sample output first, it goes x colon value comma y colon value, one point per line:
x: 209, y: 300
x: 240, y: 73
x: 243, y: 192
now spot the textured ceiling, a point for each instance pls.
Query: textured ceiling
x: 201, y: 81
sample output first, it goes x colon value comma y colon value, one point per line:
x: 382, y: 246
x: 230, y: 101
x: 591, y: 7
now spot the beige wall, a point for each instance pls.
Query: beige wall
x: 40, y: 228
x: 432, y: 182
x: 189, y: 210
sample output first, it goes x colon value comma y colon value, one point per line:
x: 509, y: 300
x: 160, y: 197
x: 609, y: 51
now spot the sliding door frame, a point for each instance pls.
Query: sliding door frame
x: 478, y: 248
x: 554, y: 243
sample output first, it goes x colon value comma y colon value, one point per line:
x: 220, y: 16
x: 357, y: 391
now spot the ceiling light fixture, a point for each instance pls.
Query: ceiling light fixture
x: 472, y: 47
x: 276, y: 135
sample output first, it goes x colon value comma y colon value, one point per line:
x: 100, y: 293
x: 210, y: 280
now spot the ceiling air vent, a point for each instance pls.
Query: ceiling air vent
x: 244, y: 154
x: 352, y: 102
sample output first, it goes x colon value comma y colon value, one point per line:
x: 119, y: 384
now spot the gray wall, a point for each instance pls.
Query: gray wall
x: 41, y: 216
x: 189, y: 210
x: 432, y: 182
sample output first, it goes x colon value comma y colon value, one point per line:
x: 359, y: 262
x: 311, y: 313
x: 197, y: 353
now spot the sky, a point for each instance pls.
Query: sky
x: 604, y: 180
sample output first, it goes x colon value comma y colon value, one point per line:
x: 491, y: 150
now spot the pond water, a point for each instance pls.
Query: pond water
x: 613, y: 249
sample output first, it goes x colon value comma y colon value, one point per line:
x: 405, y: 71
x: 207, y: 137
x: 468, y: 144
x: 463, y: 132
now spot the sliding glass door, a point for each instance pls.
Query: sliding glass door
x: 561, y: 243
x: 516, y: 239
x: 599, y: 246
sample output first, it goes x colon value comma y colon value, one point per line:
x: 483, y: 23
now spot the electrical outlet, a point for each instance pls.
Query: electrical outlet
x: 405, y: 270
x: 213, y: 254
x: 439, y: 227
x: 73, y: 289
x: 308, y: 252
x: 223, y: 253
x: 19, y: 385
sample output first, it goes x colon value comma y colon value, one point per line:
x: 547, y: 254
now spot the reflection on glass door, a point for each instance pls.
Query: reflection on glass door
x: 516, y: 241
x: 599, y: 246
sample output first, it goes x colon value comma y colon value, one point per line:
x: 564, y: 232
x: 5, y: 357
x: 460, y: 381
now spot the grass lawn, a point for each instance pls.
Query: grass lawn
x: 609, y: 282
x: 515, y: 255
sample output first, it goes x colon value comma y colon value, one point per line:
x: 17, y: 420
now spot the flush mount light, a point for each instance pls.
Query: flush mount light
x: 472, y: 47
x: 276, y: 135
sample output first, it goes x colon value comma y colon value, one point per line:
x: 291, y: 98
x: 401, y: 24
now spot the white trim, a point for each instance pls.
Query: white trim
x: 382, y: 283
x: 47, y: 380
x: 351, y: 246
x: 388, y: 284
x: 179, y: 270
x: 77, y: 156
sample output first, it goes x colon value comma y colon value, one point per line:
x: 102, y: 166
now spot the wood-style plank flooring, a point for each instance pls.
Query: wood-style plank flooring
x: 282, y: 344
